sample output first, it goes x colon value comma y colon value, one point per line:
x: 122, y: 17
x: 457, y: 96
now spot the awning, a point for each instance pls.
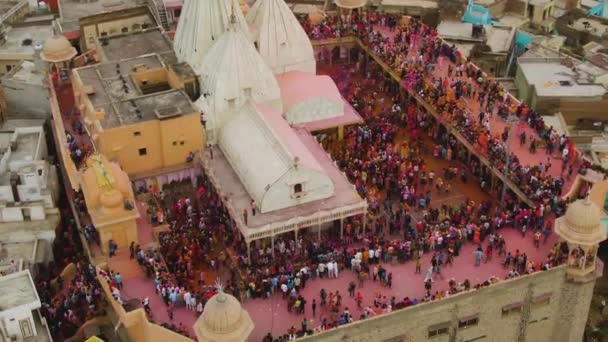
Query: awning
x: 350, y: 4
x: 72, y: 35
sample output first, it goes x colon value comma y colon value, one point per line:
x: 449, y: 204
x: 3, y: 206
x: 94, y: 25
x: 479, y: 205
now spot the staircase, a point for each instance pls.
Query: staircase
x: 159, y: 11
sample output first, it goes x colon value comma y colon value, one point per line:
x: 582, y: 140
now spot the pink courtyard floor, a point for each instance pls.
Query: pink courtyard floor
x: 271, y: 315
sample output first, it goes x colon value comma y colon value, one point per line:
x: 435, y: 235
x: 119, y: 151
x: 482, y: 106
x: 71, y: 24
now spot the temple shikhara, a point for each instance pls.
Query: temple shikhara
x: 266, y: 170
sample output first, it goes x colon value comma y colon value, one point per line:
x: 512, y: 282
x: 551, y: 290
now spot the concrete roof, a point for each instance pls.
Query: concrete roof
x: 26, y: 73
x: 120, y: 105
x: 455, y: 30
x: 6, y: 5
x: 14, y: 47
x: 512, y: 20
x: 499, y: 39
x: 73, y: 10
x: 17, y: 289
x: 596, y: 27
x: 589, y: 3
x: 546, y: 77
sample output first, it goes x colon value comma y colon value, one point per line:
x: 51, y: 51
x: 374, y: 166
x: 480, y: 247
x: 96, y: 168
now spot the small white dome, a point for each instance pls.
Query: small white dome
x: 582, y: 224
x: 223, y: 320
x: 57, y: 49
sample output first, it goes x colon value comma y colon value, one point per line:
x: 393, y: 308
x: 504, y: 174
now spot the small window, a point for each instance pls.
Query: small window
x: 9, y: 68
x: 39, y: 172
x: 439, y: 329
x: 177, y: 13
x: 542, y: 300
x: 182, y: 143
x: 512, y: 309
x: 438, y: 332
x: 468, y: 322
x: 297, y: 189
x: 124, y: 30
x: 175, y: 143
x: 103, y: 34
x: 137, y: 134
x: 143, y: 151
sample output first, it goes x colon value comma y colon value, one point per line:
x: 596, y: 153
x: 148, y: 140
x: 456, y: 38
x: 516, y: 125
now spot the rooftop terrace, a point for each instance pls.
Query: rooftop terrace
x: 112, y: 88
x: 17, y: 289
x: 21, y: 41
x: 131, y: 45
x: 73, y: 10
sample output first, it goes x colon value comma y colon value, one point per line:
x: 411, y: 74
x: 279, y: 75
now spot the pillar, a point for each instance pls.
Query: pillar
x: 248, y: 251
x: 272, y: 244
x: 319, y: 230
x: 296, y: 237
x: 341, y: 227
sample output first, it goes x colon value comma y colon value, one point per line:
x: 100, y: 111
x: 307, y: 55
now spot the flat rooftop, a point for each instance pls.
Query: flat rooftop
x: 131, y: 45
x: 17, y: 250
x: 20, y: 41
x: 17, y: 289
x: 456, y: 30
x: 231, y: 187
x: 26, y: 147
x: 10, y: 125
x: 73, y: 10
x: 411, y: 3
x: 588, y: 24
x: 113, y: 90
x: 26, y: 73
x: 6, y: 5
x: 555, y: 79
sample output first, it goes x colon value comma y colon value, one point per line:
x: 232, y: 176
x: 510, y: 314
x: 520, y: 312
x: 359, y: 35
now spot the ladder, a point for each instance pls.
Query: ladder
x: 160, y: 13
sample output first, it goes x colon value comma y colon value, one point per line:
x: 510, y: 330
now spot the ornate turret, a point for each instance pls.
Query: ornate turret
x: 581, y: 228
x: 57, y: 49
x: 223, y: 320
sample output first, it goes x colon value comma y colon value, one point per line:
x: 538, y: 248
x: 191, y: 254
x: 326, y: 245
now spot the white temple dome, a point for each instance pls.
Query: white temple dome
x: 202, y: 23
x: 281, y: 39
x: 231, y: 73
x: 224, y: 320
x: 581, y: 224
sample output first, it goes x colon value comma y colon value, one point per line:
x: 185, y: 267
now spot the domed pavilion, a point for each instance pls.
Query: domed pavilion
x: 223, y: 320
x: 581, y: 228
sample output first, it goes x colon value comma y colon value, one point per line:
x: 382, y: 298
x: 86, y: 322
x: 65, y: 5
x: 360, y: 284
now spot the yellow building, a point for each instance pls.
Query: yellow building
x: 137, y: 114
x: 110, y: 201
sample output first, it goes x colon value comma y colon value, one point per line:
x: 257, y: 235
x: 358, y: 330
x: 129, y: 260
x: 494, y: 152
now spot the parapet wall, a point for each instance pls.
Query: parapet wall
x: 538, y: 307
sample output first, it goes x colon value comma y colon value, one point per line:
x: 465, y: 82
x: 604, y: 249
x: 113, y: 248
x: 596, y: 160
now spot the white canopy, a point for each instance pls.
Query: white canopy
x: 270, y: 160
x: 350, y: 4
x: 201, y: 24
x: 281, y: 39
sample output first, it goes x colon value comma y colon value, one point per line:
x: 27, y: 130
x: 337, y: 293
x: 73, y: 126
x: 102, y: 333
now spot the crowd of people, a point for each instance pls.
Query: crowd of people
x: 202, y: 240
x: 413, y: 52
x: 67, y: 306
